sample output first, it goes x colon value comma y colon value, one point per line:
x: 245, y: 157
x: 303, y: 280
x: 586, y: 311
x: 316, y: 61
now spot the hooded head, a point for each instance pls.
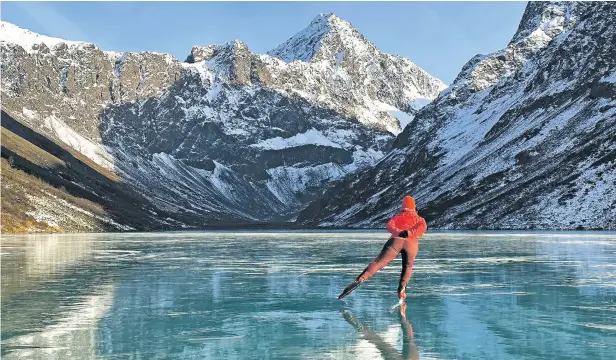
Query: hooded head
x: 408, y: 203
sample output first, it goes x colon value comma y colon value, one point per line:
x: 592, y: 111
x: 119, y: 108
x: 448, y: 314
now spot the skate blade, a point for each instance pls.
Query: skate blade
x: 349, y: 289
x: 397, y: 305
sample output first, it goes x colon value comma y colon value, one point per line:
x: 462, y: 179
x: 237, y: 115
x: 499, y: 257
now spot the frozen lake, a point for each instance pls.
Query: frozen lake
x: 272, y: 295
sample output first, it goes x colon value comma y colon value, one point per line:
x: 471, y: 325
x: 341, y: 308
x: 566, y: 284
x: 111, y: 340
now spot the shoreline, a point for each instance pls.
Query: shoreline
x: 310, y: 229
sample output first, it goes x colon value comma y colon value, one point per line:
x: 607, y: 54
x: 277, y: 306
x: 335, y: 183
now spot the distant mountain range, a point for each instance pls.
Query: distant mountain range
x: 324, y: 130
x: 227, y: 137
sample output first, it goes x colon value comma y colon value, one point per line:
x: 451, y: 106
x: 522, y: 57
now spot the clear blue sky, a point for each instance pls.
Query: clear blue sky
x: 438, y: 36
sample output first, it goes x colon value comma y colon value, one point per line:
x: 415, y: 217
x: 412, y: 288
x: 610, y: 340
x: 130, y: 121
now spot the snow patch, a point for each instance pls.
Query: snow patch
x: 193, y: 178
x: 403, y: 118
x: 235, y: 131
x: 30, y: 114
x: 43, y: 216
x: 52, y: 210
x: 419, y: 102
x: 218, y: 181
x: 93, y: 151
x: 363, y: 158
x: 202, y: 70
x: 339, y: 58
x: 287, y: 181
x: 611, y: 78
x: 310, y: 137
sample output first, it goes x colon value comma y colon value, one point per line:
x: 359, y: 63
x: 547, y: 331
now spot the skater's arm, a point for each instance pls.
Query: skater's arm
x: 419, y: 229
x: 392, y: 228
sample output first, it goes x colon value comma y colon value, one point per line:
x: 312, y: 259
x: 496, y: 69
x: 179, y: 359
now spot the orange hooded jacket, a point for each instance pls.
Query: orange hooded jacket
x: 408, y: 220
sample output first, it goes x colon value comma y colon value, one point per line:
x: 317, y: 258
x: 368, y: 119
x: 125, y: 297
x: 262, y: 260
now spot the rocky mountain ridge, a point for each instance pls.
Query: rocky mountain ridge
x: 226, y: 136
x: 524, y: 138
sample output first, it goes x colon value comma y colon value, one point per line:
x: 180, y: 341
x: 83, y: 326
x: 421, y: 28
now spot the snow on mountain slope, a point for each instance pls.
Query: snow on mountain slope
x: 354, y: 65
x: 228, y: 134
x: 310, y: 137
x: 29, y: 40
x: 327, y: 38
x: 524, y: 137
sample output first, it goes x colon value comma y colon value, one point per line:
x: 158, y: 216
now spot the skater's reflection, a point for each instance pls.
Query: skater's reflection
x: 409, y: 349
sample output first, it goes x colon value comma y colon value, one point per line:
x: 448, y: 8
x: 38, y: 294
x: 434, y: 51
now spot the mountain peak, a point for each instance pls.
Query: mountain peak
x: 324, y: 38
x: 330, y: 18
x: 546, y: 19
x: 28, y: 40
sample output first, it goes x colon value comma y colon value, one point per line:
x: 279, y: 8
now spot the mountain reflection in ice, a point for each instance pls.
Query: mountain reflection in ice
x: 260, y: 295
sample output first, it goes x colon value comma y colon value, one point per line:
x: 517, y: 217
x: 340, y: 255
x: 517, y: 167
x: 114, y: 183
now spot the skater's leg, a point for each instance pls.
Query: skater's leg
x: 390, y: 251
x: 405, y: 275
x: 408, y: 253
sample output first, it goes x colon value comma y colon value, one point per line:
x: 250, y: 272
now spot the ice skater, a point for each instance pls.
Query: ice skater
x: 405, y: 229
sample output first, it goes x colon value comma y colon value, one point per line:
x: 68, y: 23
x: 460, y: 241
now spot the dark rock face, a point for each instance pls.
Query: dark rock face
x: 47, y: 187
x: 228, y: 135
x: 524, y: 138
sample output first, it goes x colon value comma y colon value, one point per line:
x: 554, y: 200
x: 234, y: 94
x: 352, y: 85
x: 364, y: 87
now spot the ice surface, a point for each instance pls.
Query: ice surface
x: 270, y: 295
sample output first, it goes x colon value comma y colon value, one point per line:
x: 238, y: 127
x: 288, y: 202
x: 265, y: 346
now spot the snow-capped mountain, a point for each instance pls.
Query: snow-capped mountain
x: 524, y: 137
x: 228, y: 134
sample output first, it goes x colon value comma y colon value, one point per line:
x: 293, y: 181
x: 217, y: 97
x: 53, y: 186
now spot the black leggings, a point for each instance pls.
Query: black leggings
x: 406, y: 246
